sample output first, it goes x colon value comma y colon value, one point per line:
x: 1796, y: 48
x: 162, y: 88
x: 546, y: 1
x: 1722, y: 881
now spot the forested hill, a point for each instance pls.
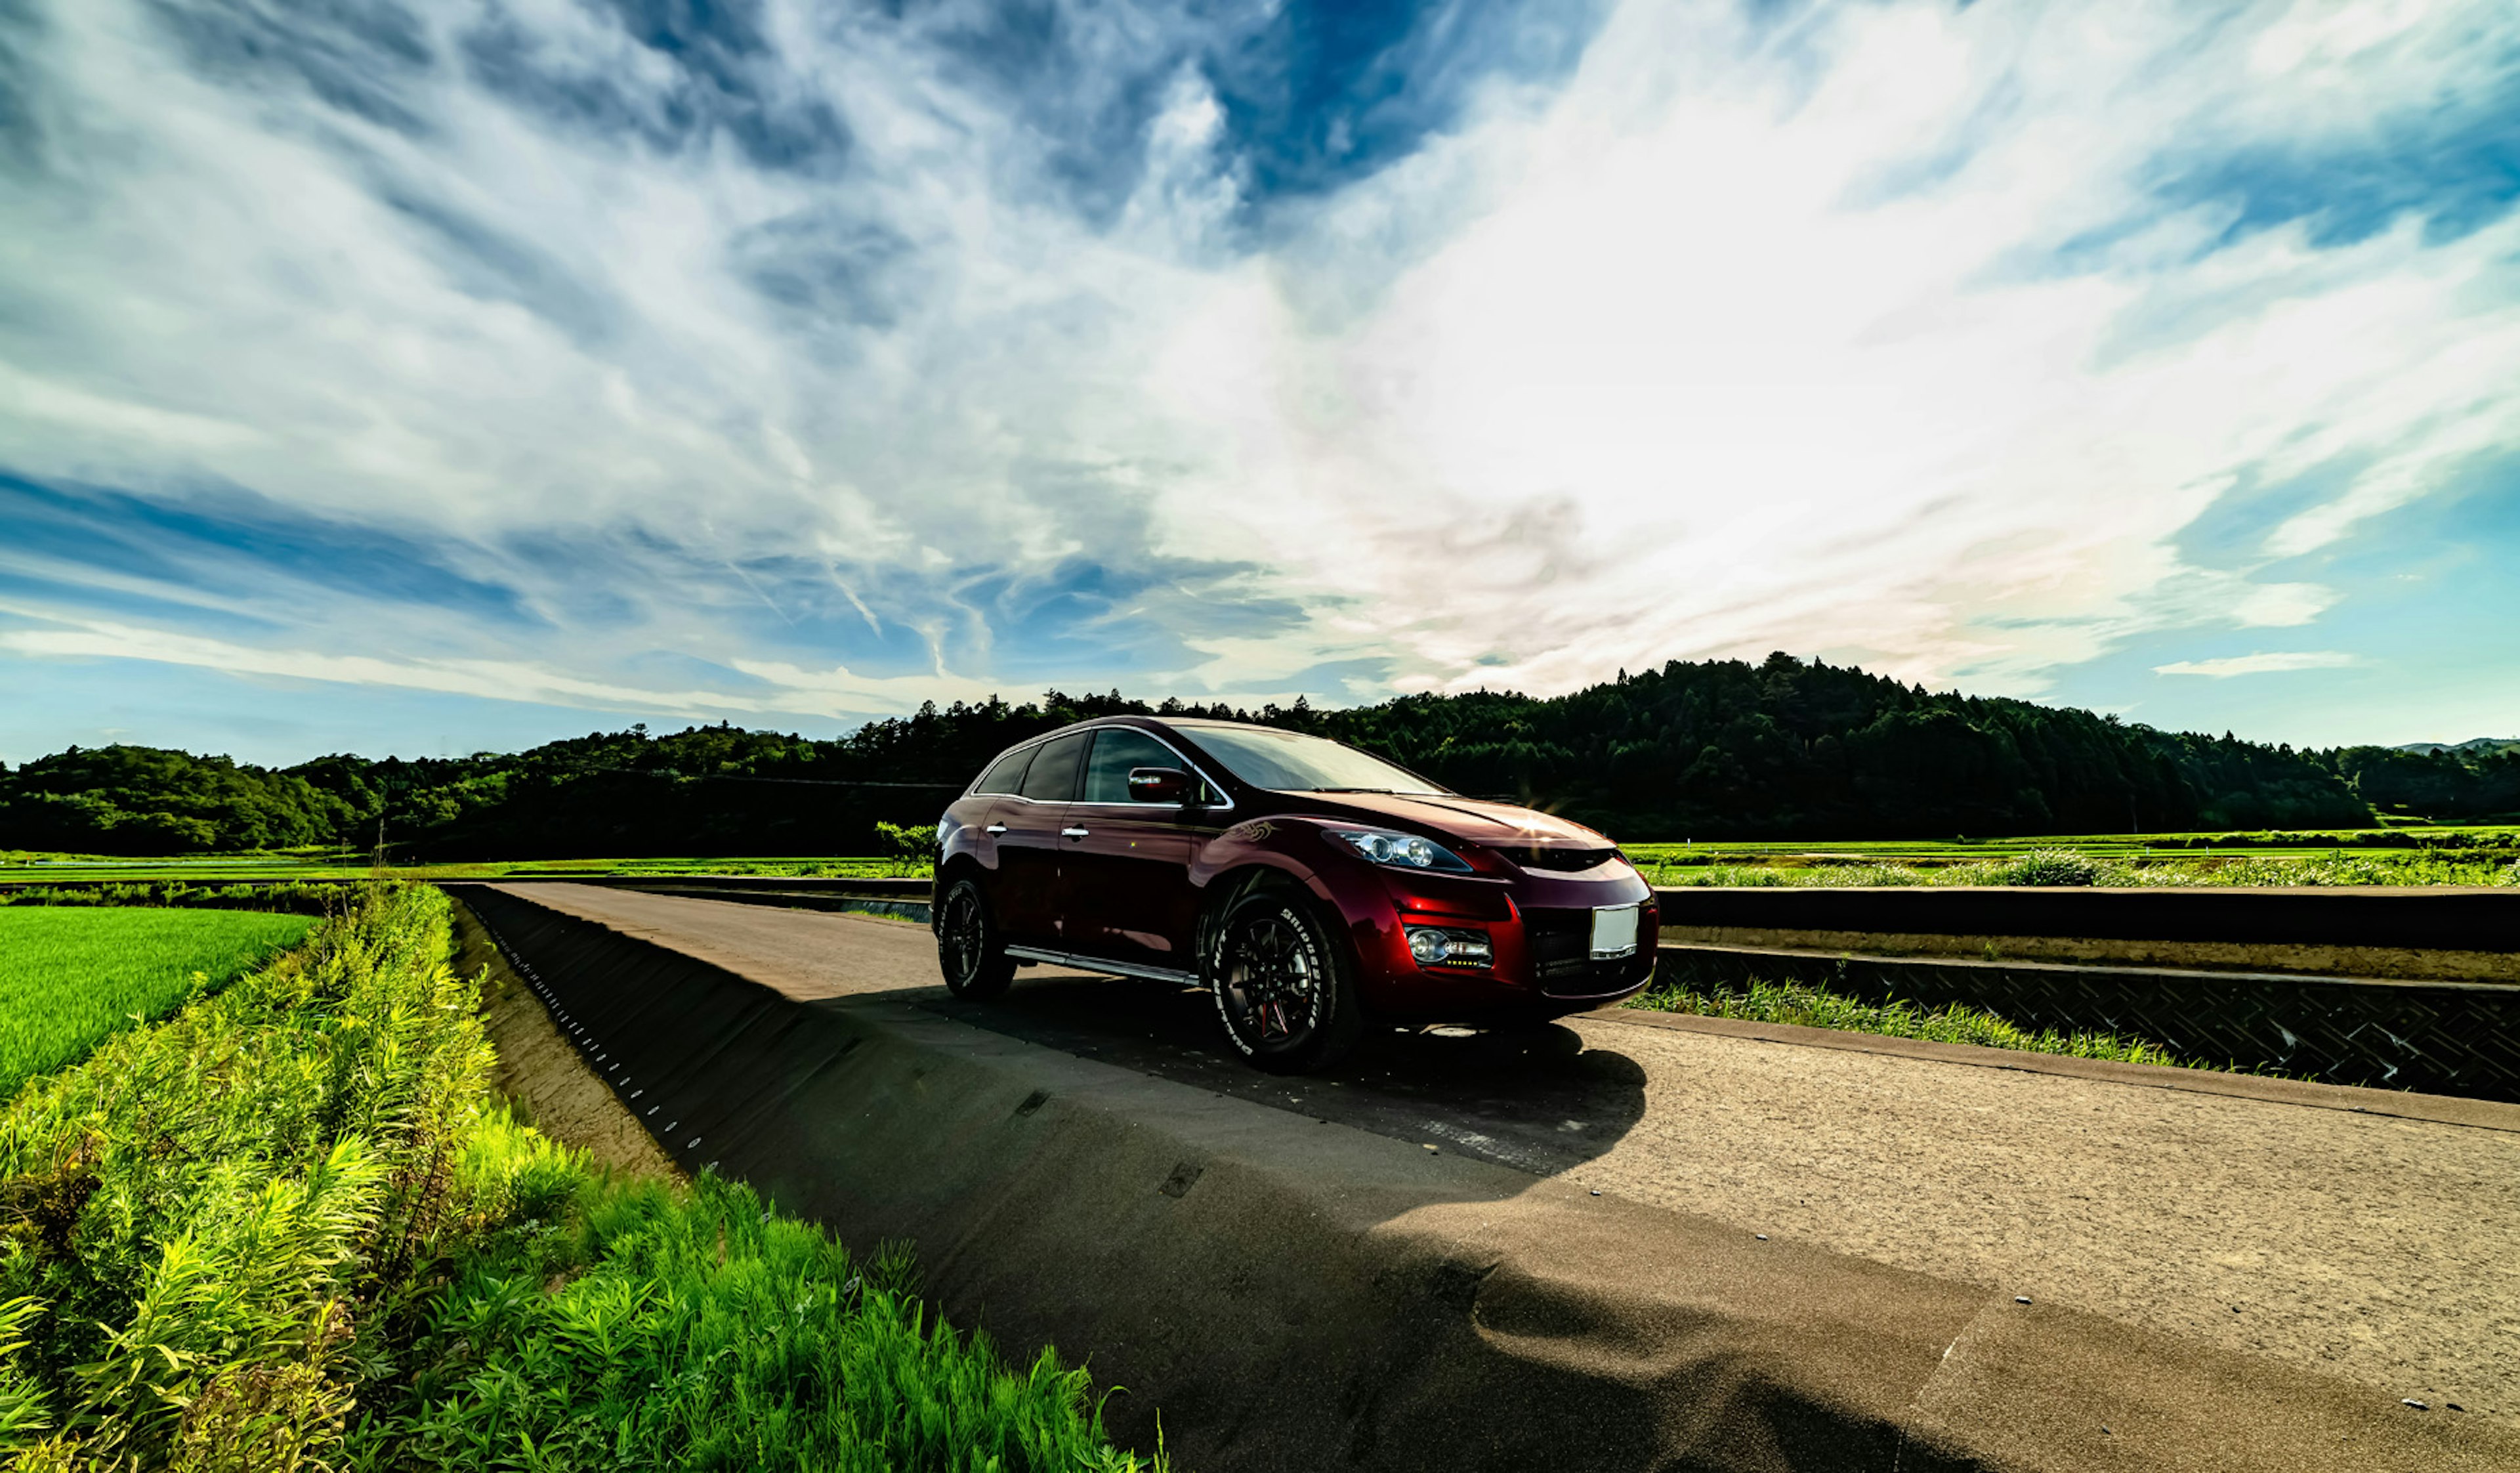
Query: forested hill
x: 1785, y: 749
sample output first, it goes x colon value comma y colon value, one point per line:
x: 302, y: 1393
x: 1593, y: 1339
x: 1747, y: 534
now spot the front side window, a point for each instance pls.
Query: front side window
x: 1116, y: 749
x: 1052, y: 778
x: 1289, y: 761
x: 1005, y: 775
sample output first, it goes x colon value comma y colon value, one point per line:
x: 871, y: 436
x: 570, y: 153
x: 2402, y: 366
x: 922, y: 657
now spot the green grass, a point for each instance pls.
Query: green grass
x: 69, y: 977
x: 287, y: 1229
x: 2283, y: 843
x: 25, y: 867
x: 625, y: 1324
x: 2091, y: 866
x: 1814, y: 1007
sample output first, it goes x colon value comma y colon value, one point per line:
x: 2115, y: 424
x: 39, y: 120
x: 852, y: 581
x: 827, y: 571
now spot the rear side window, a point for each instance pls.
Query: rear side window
x: 1052, y: 778
x: 1006, y: 774
x: 1116, y: 749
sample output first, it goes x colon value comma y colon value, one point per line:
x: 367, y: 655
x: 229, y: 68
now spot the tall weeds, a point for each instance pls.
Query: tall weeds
x: 286, y: 1229
x: 195, y: 1211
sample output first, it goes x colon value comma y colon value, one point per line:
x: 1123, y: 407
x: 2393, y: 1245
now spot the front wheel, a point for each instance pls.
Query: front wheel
x: 969, y: 949
x: 1283, y: 989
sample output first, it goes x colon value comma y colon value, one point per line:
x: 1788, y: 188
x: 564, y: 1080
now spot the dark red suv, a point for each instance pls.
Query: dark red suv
x: 1313, y: 888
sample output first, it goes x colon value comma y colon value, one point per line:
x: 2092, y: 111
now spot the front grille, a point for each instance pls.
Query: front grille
x: 1559, y: 943
x: 1534, y: 857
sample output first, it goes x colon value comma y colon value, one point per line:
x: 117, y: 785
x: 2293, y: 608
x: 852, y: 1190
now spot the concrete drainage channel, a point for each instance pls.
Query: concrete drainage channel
x: 1290, y: 1293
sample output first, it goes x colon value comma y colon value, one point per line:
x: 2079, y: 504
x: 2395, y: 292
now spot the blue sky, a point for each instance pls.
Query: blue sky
x: 400, y: 377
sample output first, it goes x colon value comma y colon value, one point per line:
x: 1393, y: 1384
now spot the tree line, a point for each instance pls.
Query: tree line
x: 1787, y: 749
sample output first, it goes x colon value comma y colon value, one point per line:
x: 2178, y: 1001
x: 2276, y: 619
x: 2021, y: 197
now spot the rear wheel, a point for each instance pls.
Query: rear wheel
x: 1285, y: 989
x: 969, y: 949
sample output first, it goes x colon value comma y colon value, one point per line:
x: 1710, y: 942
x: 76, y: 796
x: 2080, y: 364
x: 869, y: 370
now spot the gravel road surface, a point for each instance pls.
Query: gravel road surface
x: 2384, y: 1250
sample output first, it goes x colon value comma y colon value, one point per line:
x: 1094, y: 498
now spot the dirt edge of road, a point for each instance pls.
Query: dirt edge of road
x: 1292, y: 1293
x: 540, y: 1075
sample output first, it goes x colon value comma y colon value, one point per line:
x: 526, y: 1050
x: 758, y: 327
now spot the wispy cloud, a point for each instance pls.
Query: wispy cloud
x: 2259, y: 665
x: 834, y: 357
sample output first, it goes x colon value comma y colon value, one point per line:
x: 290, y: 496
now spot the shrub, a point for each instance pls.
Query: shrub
x: 910, y: 849
x: 2050, y: 866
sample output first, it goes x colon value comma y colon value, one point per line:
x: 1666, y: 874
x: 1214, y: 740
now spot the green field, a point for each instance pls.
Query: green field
x: 71, y: 976
x: 2425, y: 854
x: 2477, y: 854
x: 22, y: 867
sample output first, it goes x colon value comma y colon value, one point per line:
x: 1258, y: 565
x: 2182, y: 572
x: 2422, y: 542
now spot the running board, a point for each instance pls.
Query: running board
x: 1104, y: 964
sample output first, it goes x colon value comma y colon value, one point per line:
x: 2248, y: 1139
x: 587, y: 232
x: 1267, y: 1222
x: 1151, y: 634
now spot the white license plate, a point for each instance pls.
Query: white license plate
x: 1614, y: 931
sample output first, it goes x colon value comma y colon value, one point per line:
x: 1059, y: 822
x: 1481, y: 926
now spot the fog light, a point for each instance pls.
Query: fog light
x: 1435, y: 946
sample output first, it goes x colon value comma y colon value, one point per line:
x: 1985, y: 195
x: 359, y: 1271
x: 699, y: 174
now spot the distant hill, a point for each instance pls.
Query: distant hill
x: 2475, y: 747
x: 1783, y: 749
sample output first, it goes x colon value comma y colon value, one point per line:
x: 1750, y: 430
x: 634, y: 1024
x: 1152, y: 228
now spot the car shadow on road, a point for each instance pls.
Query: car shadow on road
x: 1541, y: 1101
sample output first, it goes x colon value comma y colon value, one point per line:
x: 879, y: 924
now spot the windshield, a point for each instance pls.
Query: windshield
x: 1288, y: 761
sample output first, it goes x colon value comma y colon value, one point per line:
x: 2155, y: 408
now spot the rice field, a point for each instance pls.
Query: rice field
x: 69, y: 977
x: 2489, y: 858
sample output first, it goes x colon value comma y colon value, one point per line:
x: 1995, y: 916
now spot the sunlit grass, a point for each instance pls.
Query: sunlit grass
x: 1954, y: 1023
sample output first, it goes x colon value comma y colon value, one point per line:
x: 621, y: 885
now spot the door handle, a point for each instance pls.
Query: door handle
x: 995, y: 828
x: 1072, y: 833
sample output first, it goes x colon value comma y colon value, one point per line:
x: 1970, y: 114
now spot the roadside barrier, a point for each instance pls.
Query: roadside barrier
x: 2458, y: 1038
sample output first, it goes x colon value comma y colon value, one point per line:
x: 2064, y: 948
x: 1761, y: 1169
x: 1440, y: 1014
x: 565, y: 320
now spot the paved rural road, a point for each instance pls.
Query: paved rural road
x: 2381, y: 1249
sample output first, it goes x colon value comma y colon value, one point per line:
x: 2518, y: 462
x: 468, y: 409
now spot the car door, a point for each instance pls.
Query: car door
x: 1124, y: 866
x: 1028, y: 844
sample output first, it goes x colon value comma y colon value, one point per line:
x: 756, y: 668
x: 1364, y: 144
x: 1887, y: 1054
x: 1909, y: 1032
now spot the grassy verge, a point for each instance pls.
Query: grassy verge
x: 1813, y: 1007
x: 67, y: 978
x: 284, y: 1230
x: 2061, y: 866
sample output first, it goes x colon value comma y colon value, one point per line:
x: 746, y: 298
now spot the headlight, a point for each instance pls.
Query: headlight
x: 1400, y: 851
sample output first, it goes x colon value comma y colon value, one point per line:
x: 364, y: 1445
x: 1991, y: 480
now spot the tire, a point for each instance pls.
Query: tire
x: 969, y: 949
x: 1284, y: 989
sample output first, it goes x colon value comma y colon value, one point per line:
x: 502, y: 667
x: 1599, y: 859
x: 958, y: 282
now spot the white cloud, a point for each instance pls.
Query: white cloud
x: 2259, y: 665
x: 1863, y: 336
x: 786, y: 690
x: 1690, y: 387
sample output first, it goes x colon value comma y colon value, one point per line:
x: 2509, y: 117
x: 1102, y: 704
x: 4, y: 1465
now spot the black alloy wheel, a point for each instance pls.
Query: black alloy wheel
x: 1283, y: 990
x: 968, y: 951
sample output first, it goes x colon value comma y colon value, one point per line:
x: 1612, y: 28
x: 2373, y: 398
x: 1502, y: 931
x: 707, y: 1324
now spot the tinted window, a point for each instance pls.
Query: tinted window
x: 1052, y: 775
x: 1291, y: 761
x: 1006, y: 776
x: 1115, y: 752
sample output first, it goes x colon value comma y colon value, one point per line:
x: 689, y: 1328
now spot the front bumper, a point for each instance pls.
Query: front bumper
x: 1540, y: 931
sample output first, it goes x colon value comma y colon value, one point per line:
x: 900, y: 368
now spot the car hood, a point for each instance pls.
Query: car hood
x: 1474, y: 820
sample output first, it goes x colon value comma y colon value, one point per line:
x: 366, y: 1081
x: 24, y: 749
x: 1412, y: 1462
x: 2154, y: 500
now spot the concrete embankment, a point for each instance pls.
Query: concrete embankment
x: 1297, y: 1293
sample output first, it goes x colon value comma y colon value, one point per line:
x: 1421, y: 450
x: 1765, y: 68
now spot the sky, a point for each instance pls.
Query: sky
x: 382, y: 376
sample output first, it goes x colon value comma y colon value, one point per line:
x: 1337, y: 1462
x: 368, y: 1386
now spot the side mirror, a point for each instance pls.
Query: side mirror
x: 1158, y: 785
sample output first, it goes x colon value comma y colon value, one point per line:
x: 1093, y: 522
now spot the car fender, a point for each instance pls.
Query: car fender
x: 1291, y: 847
